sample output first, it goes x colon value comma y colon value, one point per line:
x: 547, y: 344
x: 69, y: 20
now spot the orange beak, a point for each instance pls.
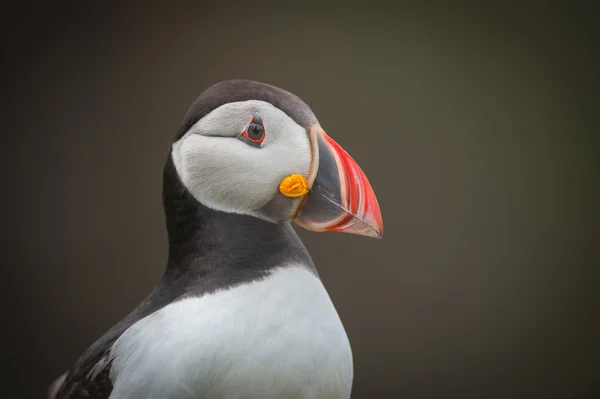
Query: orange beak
x: 340, y: 198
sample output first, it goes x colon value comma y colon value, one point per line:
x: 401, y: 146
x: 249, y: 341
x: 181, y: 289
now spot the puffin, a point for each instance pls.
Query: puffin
x: 240, y: 311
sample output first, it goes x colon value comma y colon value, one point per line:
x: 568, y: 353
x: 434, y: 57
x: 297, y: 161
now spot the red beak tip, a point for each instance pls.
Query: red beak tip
x: 378, y: 233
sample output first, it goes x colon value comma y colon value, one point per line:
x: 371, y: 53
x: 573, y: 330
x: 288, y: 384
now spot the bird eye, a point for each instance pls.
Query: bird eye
x: 254, y: 134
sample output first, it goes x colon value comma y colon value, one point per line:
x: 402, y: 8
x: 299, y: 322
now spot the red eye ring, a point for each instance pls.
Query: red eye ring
x: 254, y: 134
x: 260, y: 132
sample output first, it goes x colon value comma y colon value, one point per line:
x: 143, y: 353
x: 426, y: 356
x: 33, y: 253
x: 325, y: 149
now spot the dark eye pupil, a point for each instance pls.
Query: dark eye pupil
x: 255, y: 131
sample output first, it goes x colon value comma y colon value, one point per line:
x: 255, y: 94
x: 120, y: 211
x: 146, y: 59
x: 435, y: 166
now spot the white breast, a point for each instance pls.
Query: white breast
x: 275, y: 338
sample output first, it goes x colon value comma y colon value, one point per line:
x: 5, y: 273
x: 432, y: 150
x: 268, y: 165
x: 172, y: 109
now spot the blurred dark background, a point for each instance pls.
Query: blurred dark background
x: 474, y: 124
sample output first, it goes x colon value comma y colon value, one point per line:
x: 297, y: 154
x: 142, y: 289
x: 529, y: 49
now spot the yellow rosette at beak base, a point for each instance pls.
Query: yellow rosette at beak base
x: 294, y: 186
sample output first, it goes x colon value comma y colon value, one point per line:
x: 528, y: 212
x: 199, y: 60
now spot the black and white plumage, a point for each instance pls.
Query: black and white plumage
x: 240, y: 311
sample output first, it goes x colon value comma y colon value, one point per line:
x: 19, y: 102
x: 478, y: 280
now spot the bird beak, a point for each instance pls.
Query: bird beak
x: 340, y: 197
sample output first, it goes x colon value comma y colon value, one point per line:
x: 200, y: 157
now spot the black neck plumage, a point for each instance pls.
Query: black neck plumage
x: 210, y: 242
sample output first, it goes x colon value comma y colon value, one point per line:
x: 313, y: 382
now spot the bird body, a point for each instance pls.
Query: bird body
x: 279, y: 337
x: 240, y: 311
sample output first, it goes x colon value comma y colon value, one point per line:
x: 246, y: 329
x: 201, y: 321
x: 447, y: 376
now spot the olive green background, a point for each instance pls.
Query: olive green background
x: 474, y: 124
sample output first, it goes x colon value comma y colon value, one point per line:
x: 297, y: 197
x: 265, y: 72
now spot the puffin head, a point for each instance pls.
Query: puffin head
x: 250, y: 148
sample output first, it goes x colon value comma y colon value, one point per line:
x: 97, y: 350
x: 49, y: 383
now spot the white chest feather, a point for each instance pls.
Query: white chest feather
x: 275, y: 338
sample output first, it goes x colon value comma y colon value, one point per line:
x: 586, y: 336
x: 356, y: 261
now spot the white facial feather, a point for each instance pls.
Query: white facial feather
x: 279, y: 337
x: 225, y: 173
